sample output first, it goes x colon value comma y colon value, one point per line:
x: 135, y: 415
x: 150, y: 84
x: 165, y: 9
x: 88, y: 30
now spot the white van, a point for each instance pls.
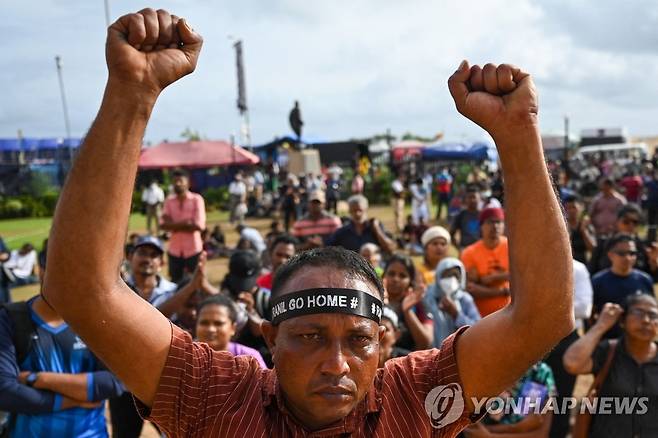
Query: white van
x: 620, y: 152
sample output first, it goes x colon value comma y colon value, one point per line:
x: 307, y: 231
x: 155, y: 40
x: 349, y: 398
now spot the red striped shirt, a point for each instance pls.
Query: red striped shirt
x: 326, y: 225
x: 203, y: 393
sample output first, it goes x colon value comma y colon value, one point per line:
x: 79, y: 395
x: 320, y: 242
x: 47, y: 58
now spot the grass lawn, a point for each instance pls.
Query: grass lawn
x: 15, y: 232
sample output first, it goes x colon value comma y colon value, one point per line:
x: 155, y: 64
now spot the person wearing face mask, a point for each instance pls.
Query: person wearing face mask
x: 448, y: 302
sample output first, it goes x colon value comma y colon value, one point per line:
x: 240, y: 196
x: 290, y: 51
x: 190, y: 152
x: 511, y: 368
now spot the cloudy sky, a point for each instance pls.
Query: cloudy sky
x: 357, y: 68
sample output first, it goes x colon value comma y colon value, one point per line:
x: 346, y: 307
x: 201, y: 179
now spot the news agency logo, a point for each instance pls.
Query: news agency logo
x: 444, y: 405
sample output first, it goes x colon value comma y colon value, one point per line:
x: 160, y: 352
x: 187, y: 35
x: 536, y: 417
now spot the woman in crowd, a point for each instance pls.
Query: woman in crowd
x: 435, y: 241
x: 634, y: 369
x: 448, y: 302
x: 405, y: 296
x: 216, y: 325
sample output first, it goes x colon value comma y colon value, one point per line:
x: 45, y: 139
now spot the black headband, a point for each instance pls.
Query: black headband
x: 326, y: 300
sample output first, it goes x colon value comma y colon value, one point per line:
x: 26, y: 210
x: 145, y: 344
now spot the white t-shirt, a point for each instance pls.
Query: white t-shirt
x: 22, y: 265
x: 153, y: 194
x: 397, y: 186
x: 237, y: 188
x: 583, y: 294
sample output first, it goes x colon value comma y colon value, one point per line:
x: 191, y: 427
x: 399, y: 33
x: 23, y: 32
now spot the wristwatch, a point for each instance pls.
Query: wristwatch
x: 31, y: 379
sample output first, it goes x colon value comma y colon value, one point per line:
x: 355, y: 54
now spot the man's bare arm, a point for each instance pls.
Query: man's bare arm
x: 145, y: 52
x: 503, y: 101
x: 479, y: 291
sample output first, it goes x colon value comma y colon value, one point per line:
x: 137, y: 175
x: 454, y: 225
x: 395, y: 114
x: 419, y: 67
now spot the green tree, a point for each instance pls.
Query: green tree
x: 190, y: 135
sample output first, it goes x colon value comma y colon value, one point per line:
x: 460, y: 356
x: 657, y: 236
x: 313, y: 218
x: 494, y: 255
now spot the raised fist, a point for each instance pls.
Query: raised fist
x: 151, y: 49
x: 609, y: 315
x: 501, y: 99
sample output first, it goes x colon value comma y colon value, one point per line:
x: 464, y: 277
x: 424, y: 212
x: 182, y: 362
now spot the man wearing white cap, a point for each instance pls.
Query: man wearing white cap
x: 435, y: 241
x: 317, y: 225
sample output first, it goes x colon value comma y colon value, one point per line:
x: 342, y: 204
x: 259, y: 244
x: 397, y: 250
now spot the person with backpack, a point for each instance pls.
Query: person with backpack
x: 51, y: 384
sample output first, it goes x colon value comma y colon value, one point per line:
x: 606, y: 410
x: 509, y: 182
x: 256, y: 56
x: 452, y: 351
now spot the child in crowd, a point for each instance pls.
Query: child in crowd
x: 387, y: 348
x: 216, y: 325
x: 373, y: 254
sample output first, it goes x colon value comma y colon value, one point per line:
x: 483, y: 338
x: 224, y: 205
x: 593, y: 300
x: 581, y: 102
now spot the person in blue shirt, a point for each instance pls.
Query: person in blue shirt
x: 361, y: 230
x: 613, y: 285
x: 59, y: 386
x: 447, y: 300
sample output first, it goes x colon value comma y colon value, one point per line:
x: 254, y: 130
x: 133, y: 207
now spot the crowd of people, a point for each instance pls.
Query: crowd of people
x: 51, y: 383
x: 461, y: 274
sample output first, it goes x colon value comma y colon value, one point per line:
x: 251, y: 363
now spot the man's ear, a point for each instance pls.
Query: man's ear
x: 269, y: 332
x: 382, y: 332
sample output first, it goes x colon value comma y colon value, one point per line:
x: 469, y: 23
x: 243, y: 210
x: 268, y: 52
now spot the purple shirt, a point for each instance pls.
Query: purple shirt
x: 242, y: 350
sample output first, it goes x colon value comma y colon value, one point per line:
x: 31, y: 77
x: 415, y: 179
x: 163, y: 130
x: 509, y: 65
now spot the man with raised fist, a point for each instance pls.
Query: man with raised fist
x: 326, y: 304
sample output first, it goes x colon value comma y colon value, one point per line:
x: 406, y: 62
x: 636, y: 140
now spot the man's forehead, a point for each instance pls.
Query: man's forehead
x: 318, y: 277
x: 324, y: 321
x: 624, y: 244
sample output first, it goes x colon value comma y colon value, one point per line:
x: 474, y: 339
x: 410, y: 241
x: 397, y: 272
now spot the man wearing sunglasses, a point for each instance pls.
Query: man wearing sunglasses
x: 613, y: 285
x: 629, y: 218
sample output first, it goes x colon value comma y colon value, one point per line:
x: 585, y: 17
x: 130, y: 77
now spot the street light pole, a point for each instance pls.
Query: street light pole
x: 566, y: 147
x: 107, y: 13
x: 58, y: 63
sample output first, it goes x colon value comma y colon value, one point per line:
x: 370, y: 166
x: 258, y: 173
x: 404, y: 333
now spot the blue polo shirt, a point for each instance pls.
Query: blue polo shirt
x: 38, y: 413
x: 612, y: 288
x: 347, y: 237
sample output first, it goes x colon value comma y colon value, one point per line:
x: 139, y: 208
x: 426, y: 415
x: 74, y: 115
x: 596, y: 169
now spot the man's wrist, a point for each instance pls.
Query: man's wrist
x: 136, y: 97
x: 133, y: 89
x: 600, y: 328
x: 528, y: 127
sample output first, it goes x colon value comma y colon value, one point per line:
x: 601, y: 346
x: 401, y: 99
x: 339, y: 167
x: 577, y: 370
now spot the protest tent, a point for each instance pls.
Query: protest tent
x: 195, y: 155
x: 478, y: 151
x: 408, y: 150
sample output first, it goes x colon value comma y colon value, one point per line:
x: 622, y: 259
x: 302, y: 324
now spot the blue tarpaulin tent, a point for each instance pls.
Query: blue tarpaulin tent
x: 10, y: 145
x: 478, y: 151
x: 37, y: 144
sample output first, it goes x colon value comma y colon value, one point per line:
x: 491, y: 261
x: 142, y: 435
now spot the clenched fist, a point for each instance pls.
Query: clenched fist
x: 500, y: 99
x: 151, y: 49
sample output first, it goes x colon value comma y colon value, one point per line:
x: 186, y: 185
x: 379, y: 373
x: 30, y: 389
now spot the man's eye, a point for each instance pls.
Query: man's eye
x: 311, y: 336
x: 362, y: 339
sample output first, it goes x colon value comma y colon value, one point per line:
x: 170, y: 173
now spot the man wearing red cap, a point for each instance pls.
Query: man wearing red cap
x: 487, y: 263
